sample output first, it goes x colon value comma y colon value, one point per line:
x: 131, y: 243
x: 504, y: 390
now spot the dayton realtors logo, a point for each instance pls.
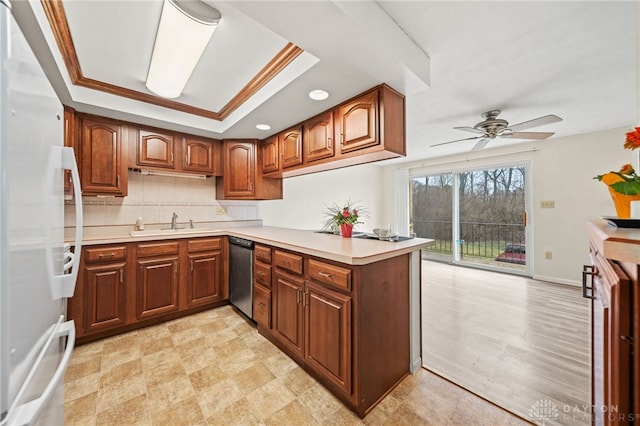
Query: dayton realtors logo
x: 543, y: 411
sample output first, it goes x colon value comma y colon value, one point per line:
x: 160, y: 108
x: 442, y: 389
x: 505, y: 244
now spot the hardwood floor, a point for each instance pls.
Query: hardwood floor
x: 520, y: 343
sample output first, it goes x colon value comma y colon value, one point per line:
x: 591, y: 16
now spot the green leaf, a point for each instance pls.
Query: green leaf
x: 627, y: 188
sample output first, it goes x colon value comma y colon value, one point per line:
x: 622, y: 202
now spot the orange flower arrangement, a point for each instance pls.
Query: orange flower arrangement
x: 625, y: 181
x: 632, y: 140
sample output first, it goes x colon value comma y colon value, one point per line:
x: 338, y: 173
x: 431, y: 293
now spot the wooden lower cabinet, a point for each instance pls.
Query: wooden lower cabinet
x: 288, y: 324
x: 346, y: 325
x: 156, y: 286
x: 328, y: 333
x: 105, y: 292
x: 611, y: 282
x: 262, y: 305
x: 204, y: 283
x: 126, y: 286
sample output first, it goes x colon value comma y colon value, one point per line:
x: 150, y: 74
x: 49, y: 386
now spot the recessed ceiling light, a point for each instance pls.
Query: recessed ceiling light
x: 318, y: 95
x: 263, y: 127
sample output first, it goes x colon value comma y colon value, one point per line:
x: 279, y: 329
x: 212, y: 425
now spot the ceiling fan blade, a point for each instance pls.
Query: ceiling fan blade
x: 469, y: 129
x: 540, y: 121
x: 527, y: 135
x: 481, y: 144
x: 457, y: 140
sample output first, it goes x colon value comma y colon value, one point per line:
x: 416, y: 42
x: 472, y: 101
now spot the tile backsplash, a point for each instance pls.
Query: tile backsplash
x: 156, y: 198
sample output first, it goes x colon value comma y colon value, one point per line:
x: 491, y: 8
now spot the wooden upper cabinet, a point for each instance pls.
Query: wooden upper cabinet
x: 201, y: 155
x: 270, y: 155
x: 243, y: 178
x: 291, y: 147
x: 155, y: 149
x: 357, y: 123
x: 103, y: 169
x: 318, y: 137
x: 239, y: 169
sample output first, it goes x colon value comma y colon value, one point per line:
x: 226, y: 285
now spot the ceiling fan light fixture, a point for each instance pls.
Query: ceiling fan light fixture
x: 318, y: 94
x: 185, y: 28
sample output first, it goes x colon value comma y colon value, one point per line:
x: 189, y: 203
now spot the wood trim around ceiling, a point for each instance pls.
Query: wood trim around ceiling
x: 57, y: 18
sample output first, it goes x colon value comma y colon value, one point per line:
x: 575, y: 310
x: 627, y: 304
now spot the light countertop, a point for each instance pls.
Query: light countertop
x: 353, y: 251
x: 622, y: 244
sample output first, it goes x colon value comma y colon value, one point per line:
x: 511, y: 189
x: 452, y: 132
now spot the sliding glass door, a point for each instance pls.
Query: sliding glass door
x: 481, y: 223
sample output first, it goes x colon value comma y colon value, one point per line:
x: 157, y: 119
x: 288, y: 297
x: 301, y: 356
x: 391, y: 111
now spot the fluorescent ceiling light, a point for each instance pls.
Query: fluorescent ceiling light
x: 263, y: 127
x: 172, y: 174
x: 318, y: 95
x: 185, y: 28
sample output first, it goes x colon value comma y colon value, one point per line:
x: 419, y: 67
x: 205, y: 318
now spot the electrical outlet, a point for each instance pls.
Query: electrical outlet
x: 548, y: 255
x: 221, y: 211
x: 547, y: 204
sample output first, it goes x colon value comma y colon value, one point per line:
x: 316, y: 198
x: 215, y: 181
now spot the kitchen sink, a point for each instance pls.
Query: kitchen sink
x: 177, y: 231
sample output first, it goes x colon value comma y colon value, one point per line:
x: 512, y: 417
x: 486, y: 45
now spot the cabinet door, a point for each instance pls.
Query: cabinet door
x: 155, y: 149
x: 611, y: 343
x: 318, y: 137
x: 291, y: 147
x: 198, y: 155
x: 239, y: 169
x: 270, y: 155
x: 101, y: 157
x: 288, y: 310
x: 105, y: 298
x: 357, y: 123
x: 328, y: 334
x: 204, y: 282
x: 156, y: 286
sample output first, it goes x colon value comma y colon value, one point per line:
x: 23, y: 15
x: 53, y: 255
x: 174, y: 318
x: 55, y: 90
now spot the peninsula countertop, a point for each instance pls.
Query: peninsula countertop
x: 352, y: 251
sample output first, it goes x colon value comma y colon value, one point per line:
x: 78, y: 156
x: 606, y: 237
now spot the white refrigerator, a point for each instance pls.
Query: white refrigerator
x: 37, y: 273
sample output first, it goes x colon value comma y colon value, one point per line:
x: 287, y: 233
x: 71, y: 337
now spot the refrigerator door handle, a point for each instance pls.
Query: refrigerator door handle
x: 26, y: 414
x: 67, y: 282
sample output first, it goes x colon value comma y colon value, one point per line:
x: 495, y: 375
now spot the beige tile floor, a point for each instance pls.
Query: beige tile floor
x: 213, y: 368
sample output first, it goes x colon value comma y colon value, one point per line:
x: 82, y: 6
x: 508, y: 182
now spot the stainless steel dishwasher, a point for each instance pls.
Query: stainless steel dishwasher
x: 241, y: 274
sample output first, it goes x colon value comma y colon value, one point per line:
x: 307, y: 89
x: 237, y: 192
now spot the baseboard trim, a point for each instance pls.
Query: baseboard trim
x: 557, y: 280
x: 415, y: 365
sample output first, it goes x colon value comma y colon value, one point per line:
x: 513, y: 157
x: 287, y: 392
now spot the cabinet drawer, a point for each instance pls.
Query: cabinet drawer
x: 156, y: 249
x: 262, y: 305
x: 202, y: 244
x: 262, y: 253
x: 290, y: 262
x: 101, y: 254
x: 330, y: 274
x: 262, y: 274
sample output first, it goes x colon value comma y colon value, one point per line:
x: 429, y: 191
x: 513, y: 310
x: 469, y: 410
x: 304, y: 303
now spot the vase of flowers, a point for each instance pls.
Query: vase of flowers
x: 343, y: 217
x: 624, y: 185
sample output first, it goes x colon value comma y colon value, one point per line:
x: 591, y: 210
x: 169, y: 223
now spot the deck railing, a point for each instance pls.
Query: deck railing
x: 479, y: 239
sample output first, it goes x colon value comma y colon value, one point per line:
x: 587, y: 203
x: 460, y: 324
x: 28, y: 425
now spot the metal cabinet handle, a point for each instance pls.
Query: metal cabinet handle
x: 325, y: 274
x: 121, y: 280
x: 101, y: 255
x: 588, y: 270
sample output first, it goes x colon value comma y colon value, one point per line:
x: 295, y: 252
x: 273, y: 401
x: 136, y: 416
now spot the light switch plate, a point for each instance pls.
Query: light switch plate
x: 547, y: 204
x: 221, y: 211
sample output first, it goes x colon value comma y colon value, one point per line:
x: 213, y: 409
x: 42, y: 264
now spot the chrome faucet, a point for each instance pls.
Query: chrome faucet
x: 174, y: 221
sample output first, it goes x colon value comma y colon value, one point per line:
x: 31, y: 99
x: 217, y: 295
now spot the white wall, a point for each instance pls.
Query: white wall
x: 561, y: 170
x: 155, y: 198
x: 305, y: 197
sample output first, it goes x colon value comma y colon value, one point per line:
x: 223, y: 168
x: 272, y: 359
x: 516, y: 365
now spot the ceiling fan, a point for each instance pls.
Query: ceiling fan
x: 493, y: 127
